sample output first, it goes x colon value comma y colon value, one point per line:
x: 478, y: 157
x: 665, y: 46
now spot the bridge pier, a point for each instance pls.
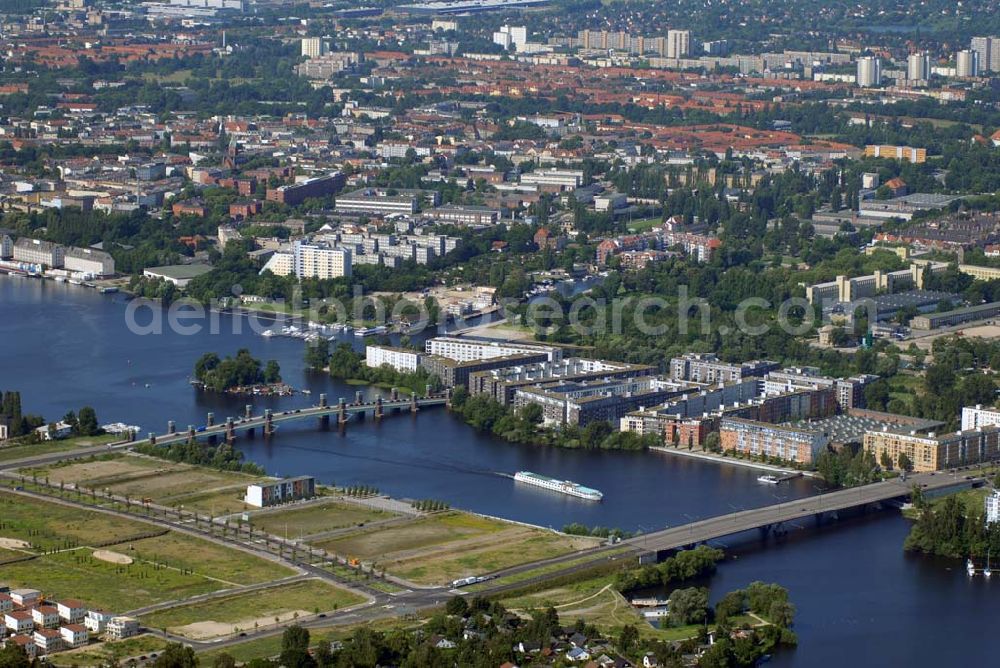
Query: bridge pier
x: 322, y: 400
x: 341, y: 413
x: 171, y: 427
x: 324, y: 421
x: 394, y: 394
x: 191, y: 433
x: 152, y: 438
x: 447, y: 398
x: 378, y: 408
x: 230, y: 431
x: 210, y: 420
x: 268, y: 423
x: 359, y: 398
x: 427, y: 390
x: 247, y: 412
x: 413, y: 403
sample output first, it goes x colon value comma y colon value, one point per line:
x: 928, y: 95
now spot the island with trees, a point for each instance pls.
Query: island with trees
x: 240, y: 374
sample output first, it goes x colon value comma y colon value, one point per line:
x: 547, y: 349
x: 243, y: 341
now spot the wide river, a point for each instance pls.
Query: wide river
x: 860, y: 599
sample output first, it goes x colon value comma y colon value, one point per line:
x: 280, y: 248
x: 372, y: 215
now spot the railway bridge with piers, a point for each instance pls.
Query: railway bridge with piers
x: 342, y: 412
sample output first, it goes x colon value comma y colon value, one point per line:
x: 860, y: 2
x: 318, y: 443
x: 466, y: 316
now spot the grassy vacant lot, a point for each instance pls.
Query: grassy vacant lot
x: 14, y: 452
x: 189, y: 565
x: 49, y: 526
x: 166, y: 483
x: 222, y: 616
x: 595, y: 601
x: 109, y: 653
x: 207, y: 559
x: 316, y: 518
x: 444, y: 547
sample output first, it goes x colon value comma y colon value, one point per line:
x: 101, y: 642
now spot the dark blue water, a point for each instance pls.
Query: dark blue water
x: 860, y: 599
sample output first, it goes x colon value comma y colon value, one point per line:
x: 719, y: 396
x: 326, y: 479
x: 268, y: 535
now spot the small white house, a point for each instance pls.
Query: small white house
x: 74, y: 635
x: 48, y: 640
x: 25, y: 597
x: 54, y: 432
x: 71, y: 611
x: 45, y: 616
x: 120, y: 628
x: 96, y: 621
x: 19, y: 621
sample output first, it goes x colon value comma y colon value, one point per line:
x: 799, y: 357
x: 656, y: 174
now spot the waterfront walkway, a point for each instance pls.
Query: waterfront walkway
x: 732, y: 461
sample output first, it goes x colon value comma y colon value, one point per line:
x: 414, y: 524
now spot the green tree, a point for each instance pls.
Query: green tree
x: 295, y: 637
x: 688, y: 606
x: 87, y: 422
x: 272, y: 372
x: 176, y: 655
x: 628, y: 639
x: 295, y: 648
x: 456, y: 606
x: 318, y: 354
x: 13, y: 656
x: 224, y: 660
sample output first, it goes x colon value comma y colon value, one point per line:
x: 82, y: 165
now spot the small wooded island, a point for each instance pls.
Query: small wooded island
x: 241, y: 374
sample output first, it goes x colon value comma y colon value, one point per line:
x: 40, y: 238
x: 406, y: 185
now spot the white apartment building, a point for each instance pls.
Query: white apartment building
x: 977, y: 416
x: 400, y: 359
x: 918, y: 66
x: 869, y: 71
x: 282, y: 263
x: 314, y: 47
x: 988, y: 50
x: 678, y: 43
x: 468, y: 350
x: 508, y: 36
x: 322, y: 262
x: 967, y: 64
x: 993, y: 507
